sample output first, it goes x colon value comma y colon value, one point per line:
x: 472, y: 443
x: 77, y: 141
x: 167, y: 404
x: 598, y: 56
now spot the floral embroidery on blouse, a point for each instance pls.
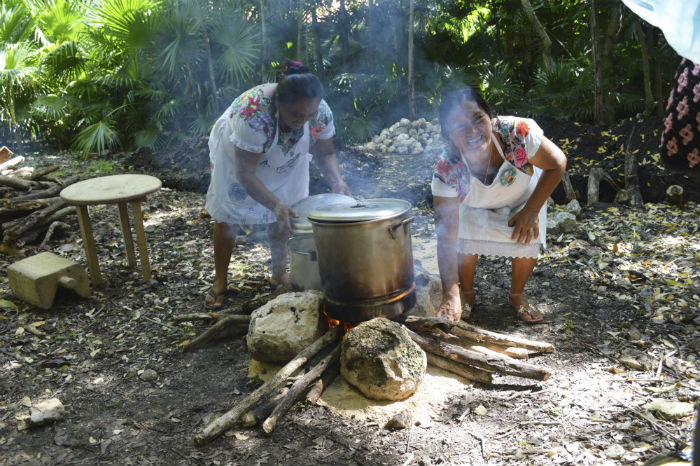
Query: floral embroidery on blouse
x: 258, y: 111
x: 453, y: 172
x: 323, y: 119
x: 508, y: 176
x: 255, y: 108
x: 513, y: 132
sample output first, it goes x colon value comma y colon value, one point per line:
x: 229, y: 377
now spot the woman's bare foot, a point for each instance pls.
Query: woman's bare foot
x: 467, y: 303
x: 526, y: 311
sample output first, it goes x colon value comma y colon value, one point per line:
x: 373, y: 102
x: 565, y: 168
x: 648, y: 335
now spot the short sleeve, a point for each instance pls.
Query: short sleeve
x: 450, y: 178
x: 522, y: 138
x: 441, y: 189
x: 251, y: 124
x: 321, y: 126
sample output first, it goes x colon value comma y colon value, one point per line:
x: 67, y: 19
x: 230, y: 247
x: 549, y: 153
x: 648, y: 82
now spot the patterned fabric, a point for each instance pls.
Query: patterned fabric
x: 257, y: 111
x: 680, y: 140
x: 521, y: 137
x: 254, y: 122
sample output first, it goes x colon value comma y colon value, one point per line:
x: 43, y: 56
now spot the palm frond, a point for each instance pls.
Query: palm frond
x: 96, y: 138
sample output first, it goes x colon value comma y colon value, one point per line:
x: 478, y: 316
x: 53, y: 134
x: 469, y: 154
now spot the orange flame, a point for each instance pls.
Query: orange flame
x: 333, y: 323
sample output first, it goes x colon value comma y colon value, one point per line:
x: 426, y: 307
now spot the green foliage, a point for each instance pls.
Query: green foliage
x: 564, y: 91
x: 96, y: 74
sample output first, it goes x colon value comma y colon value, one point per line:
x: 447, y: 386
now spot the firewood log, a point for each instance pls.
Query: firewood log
x: 13, y: 162
x: 13, y: 207
x: 16, y: 183
x: 262, y: 410
x: 50, y: 192
x: 491, y: 363
x: 298, y: 387
x: 463, y: 329
x: 327, y: 378
x: 228, y: 419
x: 40, y: 174
x: 469, y: 373
x: 226, y: 327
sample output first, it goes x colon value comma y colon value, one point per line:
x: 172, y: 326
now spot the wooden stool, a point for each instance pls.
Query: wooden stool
x: 120, y: 190
x: 35, y: 279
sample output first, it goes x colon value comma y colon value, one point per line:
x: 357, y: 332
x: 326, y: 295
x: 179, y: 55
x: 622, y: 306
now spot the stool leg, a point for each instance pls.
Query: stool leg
x: 126, y: 233
x: 141, y: 239
x: 89, y: 245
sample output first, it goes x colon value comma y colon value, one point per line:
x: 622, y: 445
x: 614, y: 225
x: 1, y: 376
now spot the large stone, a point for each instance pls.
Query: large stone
x: 573, y: 207
x: 381, y: 361
x: 46, y: 411
x: 284, y: 326
x: 428, y: 294
x: 561, y: 222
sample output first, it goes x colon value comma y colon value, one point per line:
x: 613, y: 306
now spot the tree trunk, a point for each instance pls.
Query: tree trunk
x: 317, y: 40
x: 646, y: 73
x: 653, y: 46
x: 344, y: 39
x: 371, y: 44
x: 597, y: 72
x: 545, y: 41
x: 411, y: 77
x: 263, y: 40
x: 612, y: 32
x: 300, y: 32
x: 634, y: 194
x: 207, y: 46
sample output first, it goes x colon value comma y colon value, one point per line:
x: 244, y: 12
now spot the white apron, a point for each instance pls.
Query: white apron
x: 485, y: 211
x: 285, y: 174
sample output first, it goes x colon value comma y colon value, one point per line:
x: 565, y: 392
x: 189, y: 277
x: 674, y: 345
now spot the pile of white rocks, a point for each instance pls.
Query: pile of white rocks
x: 407, y: 137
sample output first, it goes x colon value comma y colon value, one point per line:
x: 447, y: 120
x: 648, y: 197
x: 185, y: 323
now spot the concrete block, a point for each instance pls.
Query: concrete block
x: 36, y: 279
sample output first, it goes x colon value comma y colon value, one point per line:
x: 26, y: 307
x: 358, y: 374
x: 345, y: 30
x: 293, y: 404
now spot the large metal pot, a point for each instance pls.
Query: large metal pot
x: 365, y: 258
x: 303, y: 266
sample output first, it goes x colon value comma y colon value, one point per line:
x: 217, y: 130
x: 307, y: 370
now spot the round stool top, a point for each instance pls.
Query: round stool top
x: 110, y: 189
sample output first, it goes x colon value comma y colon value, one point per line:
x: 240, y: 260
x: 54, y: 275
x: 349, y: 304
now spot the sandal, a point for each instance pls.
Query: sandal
x: 529, y: 313
x: 218, y: 300
x: 467, y: 308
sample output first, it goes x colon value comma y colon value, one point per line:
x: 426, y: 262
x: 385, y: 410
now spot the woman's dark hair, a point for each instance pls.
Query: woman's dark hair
x: 298, y: 83
x: 455, y: 98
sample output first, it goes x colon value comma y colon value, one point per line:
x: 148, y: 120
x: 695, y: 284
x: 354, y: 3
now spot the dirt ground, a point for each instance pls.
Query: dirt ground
x: 622, y: 299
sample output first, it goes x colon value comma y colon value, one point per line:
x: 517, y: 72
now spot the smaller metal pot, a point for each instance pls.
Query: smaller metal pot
x: 303, y: 263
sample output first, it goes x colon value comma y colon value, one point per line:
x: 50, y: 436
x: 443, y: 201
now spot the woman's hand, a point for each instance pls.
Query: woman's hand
x: 283, y: 213
x: 525, y: 226
x: 339, y: 187
x: 451, y: 307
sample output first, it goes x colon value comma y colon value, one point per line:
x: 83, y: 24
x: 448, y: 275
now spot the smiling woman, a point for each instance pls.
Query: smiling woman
x: 490, y: 190
x: 259, y: 153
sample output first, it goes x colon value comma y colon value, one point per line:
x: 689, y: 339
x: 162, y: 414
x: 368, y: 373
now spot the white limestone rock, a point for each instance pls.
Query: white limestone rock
x: 573, y: 207
x: 46, y: 411
x: 379, y: 358
x: 428, y: 294
x: 561, y: 222
x: 284, y: 326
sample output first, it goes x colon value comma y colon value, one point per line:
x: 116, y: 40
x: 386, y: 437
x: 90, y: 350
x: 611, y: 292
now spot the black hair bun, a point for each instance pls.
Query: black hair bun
x: 294, y: 67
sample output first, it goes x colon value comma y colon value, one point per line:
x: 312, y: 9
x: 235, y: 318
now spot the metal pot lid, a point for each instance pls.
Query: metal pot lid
x: 362, y: 211
x: 301, y: 225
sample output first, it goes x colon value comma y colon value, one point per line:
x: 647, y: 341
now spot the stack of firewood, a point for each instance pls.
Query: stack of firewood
x: 469, y: 351
x: 30, y: 206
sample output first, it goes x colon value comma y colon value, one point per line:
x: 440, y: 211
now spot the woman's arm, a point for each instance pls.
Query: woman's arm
x: 447, y: 228
x: 324, y: 151
x: 552, y: 161
x: 246, y: 163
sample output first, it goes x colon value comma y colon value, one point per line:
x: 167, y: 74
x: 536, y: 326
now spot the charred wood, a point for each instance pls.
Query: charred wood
x: 491, y: 363
x: 228, y: 419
